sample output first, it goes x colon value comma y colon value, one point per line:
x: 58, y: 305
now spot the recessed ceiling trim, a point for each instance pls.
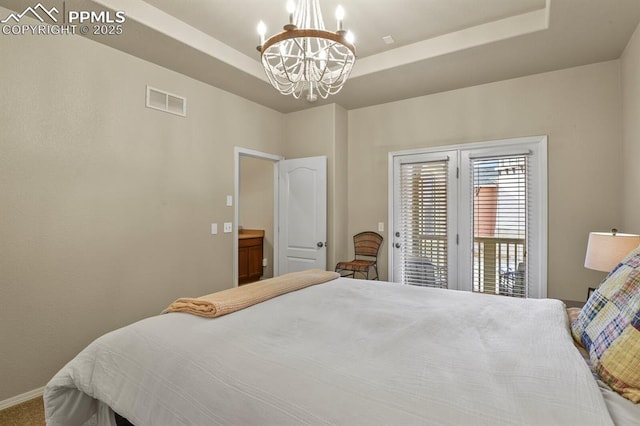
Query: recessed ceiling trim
x: 479, y: 35
x: 487, y: 33
x: 164, y: 23
x: 579, y: 33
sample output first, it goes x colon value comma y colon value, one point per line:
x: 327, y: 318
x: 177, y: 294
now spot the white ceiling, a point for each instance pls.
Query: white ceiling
x: 408, y: 21
x: 439, y: 44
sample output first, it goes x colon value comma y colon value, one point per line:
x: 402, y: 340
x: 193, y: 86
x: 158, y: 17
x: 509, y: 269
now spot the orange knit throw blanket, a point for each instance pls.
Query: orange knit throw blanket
x: 234, y: 299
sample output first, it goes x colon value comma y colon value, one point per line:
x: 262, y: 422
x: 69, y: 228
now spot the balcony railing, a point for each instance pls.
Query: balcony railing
x: 499, y: 266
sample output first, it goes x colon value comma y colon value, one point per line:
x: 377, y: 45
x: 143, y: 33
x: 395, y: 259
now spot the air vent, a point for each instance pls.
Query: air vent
x: 167, y: 102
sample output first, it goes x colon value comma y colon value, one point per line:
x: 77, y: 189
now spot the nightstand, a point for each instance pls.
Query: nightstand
x: 573, y: 303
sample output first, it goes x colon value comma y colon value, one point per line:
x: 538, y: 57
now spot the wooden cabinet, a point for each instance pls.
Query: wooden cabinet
x: 250, y: 253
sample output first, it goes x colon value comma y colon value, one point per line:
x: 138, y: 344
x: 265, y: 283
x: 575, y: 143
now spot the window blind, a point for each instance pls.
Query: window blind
x: 423, y: 223
x: 500, y: 224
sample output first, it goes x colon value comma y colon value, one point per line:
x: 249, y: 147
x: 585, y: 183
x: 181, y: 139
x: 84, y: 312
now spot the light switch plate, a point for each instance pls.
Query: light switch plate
x: 228, y: 227
x: 380, y: 226
x: 229, y: 200
x: 214, y: 228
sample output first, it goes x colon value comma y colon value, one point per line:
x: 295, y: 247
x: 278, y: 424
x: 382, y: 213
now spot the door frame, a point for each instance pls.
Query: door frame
x: 246, y: 152
x: 503, y: 144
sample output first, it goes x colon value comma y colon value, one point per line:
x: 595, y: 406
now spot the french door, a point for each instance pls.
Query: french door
x: 425, y: 219
x: 471, y: 217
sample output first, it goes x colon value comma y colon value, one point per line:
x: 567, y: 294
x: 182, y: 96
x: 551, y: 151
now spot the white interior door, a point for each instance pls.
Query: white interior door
x: 302, y: 214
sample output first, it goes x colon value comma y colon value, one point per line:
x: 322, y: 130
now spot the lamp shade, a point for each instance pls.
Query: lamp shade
x: 605, y: 249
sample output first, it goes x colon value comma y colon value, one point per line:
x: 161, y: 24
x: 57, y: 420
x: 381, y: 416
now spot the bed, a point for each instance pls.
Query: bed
x: 342, y: 352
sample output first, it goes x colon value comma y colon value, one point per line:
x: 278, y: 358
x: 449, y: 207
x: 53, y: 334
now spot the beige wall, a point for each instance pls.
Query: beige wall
x: 339, y: 213
x: 106, y: 205
x: 256, y: 203
x: 630, y: 71
x: 323, y: 131
x: 579, y: 109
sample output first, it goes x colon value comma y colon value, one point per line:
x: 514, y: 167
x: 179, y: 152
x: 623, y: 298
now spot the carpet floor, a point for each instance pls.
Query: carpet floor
x: 30, y: 413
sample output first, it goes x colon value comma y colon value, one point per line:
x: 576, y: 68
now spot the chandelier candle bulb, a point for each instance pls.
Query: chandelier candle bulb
x: 262, y: 30
x: 291, y: 7
x: 349, y: 37
x: 339, y: 16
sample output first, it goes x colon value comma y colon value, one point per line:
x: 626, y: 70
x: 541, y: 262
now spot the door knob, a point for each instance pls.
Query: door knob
x: 397, y: 245
x: 320, y: 244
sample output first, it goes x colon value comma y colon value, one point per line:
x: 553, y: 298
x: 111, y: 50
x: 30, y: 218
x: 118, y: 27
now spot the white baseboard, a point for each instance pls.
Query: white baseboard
x: 19, y: 399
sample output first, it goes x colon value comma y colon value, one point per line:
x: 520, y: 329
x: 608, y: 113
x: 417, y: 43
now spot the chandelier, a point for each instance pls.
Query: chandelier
x: 305, y: 57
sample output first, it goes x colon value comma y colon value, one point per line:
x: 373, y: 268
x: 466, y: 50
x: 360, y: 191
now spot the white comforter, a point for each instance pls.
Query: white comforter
x: 345, y: 352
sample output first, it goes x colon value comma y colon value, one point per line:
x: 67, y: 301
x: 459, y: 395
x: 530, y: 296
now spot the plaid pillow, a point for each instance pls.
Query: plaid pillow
x: 608, y: 326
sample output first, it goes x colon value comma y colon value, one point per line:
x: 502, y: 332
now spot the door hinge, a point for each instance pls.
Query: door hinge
x: 457, y: 239
x: 457, y: 172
